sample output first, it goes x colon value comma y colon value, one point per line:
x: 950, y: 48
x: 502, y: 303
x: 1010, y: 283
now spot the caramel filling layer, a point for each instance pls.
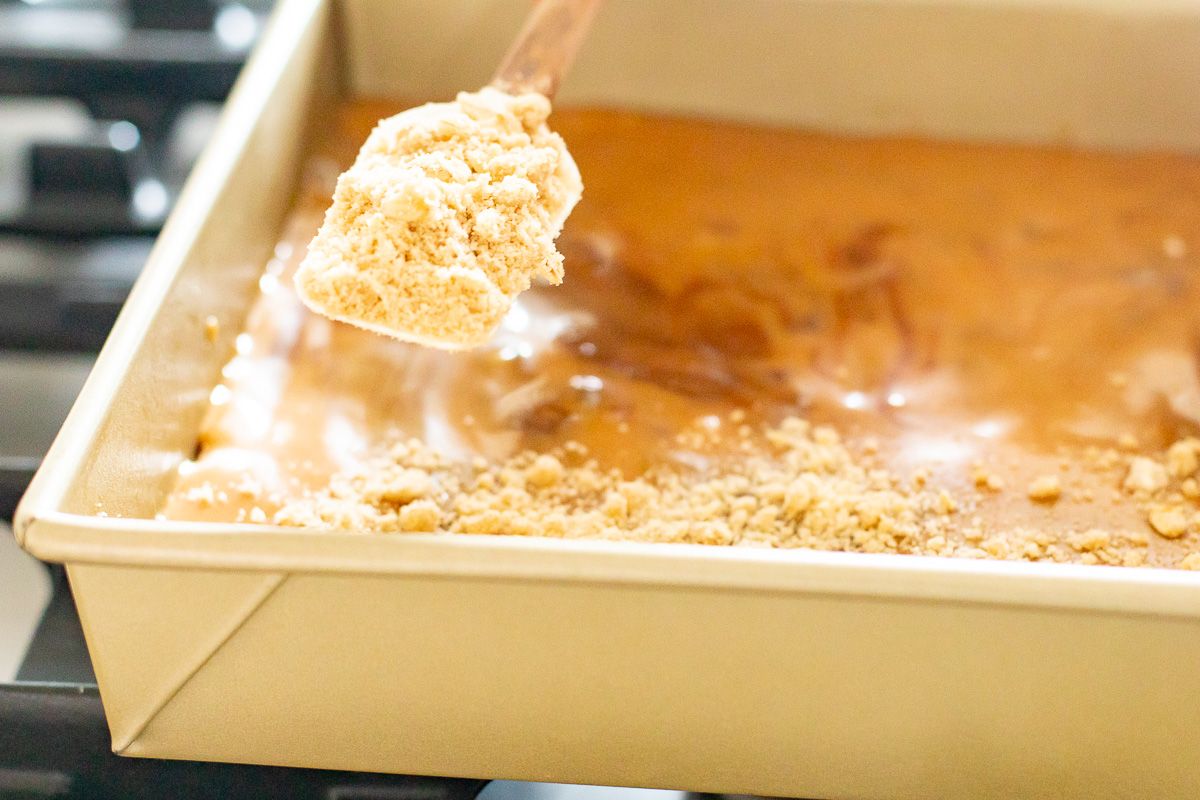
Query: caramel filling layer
x: 1014, y: 327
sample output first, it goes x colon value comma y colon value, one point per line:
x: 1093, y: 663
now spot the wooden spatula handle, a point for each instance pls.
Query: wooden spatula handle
x: 545, y: 47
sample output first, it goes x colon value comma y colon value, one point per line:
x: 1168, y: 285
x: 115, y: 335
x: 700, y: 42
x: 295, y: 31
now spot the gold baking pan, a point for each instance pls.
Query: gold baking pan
x: 737, y: 670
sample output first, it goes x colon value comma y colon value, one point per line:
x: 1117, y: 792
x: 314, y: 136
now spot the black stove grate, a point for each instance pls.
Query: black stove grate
x: 54, y: 744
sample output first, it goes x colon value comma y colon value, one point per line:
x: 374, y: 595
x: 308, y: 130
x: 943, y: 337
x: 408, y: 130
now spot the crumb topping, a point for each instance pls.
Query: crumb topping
x: 803, y: 488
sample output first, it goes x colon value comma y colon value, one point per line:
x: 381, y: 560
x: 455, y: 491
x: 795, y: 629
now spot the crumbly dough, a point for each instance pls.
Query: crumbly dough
x: 448, y: 213
x: 804, y: 489
x: 794, y: 485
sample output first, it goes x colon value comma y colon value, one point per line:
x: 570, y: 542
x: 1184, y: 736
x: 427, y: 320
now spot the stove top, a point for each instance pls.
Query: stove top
x: 104, y: 106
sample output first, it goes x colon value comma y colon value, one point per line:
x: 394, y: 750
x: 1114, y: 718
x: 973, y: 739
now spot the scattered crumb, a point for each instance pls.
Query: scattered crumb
x: 987, y: 480
x: 400, y: 487
x: 1183, y: 457
x: 546, y: 470
x: 1090, y: 541
x: 1133, y: 558
x: 420, y: 516
x: 1106, y: 459
x: 1168, y: 521
x: 1045, y: 489
x: 1145, y: 476
x: 806, y: 489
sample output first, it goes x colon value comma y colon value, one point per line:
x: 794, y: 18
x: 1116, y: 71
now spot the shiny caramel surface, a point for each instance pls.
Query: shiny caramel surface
x: 952, y: 307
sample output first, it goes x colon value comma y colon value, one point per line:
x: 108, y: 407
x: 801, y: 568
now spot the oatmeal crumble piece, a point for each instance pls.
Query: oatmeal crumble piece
x: 546, y: 470
x: 1183, y: 458
x: 1045, y: 489
x: 420, y: 516
x: 1090, y: 541
x: 1169, y: 522
x: 449, y: 212
x: 985, y: 480
x: 1145, y: 476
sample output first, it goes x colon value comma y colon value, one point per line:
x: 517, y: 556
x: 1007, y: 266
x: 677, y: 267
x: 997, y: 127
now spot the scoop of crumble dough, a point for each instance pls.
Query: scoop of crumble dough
x: 448, y: 213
